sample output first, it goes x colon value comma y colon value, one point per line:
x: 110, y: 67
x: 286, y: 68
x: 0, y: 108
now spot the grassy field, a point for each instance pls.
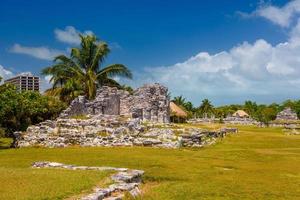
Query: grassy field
x: 254, y: 164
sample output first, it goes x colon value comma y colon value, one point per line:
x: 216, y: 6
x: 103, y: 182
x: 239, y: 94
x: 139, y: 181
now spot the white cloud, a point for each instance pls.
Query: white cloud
x: 282, y: 16
x: 70, y: 35
x: 42, y: 52
x: 4, y: 73
x: 258, y: 71
x: 115, y: 45
x: 45, y: 83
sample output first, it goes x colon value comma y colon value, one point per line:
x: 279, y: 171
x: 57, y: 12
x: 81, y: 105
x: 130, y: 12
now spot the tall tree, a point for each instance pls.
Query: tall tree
x: 206, y: 108
x: 250, y: 107
x: 1, y: 79
x: 83, y: 71
x: 189, y: 106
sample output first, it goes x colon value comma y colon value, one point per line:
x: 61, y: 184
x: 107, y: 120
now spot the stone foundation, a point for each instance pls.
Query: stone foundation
x: 110, y: 130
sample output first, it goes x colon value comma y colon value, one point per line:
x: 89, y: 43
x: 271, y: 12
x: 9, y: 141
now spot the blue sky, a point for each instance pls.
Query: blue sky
x: 227, y: 51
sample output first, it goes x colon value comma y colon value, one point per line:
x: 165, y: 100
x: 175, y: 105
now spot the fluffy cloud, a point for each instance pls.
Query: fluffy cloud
x: 282, y: 16
x: 43, y: 53
x: 4, y: 73
x: 70, y: 35
x: 44, y: 81
x: 259, y: 71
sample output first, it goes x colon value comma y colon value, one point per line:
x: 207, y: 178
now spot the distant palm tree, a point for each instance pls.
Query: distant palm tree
x: 1, y: 79
x: 179, y: 100
x: 189, y: 106
x: 83, y: 71
x: 206, y: 108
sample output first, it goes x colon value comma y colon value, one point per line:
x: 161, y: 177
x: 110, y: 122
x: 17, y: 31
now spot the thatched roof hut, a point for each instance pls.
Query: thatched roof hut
x: 240, y: 113
x: 177, y: 111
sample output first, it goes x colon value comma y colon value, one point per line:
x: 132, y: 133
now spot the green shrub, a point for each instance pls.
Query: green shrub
x: 18, y: 110
x: 2, y: 133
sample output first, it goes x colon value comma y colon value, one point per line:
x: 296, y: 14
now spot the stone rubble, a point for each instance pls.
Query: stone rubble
x: 109, y: 131
x: 125, y: 180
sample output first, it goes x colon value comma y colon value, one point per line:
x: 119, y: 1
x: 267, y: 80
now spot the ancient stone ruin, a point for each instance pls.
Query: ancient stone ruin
x: 287, y: 114
x: 240, y: 117
x: 148, y: 103
x: 117, y: 118
x: 113, y: 130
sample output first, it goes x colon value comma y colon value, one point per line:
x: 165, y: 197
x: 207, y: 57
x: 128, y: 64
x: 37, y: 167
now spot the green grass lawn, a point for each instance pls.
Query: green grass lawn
x: 254, y: 164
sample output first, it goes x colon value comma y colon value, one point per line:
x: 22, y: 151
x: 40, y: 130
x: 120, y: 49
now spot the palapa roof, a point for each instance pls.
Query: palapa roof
x: 177, y: 111
x: 240, y: 113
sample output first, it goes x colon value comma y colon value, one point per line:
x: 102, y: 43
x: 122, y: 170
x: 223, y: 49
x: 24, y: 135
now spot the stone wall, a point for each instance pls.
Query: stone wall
x: 287, y: 114
x: 148, y: 103
x: 240, y: 120
x: 113, y: 130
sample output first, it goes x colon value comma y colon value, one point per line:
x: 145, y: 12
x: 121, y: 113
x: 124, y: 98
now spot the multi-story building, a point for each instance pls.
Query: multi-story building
x: 25, y: 81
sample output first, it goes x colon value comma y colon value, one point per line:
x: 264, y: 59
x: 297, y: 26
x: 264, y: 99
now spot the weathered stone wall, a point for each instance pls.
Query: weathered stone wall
x: 287, y: 114
x: 240, y: 120
x: 149, y: 103
x: 113, y: 130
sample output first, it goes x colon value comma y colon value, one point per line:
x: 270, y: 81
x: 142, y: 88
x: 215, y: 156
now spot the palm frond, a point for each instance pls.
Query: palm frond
x: 110, y: 82
x: 115, y: 70
x: 82, y: 72
x: 102, y: 51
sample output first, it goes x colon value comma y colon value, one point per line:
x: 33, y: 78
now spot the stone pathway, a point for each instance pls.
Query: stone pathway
x: 125, y: 180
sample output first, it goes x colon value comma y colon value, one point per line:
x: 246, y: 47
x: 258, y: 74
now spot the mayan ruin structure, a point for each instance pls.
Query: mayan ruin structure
x: 148, y: 103
x: 287, y: 114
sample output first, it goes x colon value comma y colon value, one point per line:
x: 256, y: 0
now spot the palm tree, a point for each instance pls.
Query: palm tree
x: 206, y: 108
x: 1, y: 79
x: 83, y: 71
x: 179, y: 100
x: 70, y: 90
x: 189, y: 106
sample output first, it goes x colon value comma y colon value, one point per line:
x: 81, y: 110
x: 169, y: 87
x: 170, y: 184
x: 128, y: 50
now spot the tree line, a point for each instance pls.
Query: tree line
x: 260, y: 112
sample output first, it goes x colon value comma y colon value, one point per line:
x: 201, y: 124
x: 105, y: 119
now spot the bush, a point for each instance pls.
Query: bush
x: 2, y: 133
x: 18, y: 110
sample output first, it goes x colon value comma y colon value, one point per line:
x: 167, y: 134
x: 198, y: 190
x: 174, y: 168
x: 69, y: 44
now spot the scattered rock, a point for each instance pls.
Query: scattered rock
x: 126, y: 180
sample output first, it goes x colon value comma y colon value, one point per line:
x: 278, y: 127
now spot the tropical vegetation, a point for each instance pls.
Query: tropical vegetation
x: 206, y: 109
x: 18, y: 110
x: 261, y: 112
x: 83, y: 71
